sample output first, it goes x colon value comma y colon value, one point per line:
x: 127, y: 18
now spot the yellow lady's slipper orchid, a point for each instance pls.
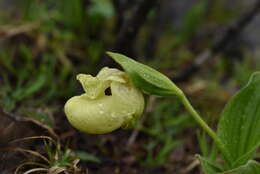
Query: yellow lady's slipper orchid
x: 97, y: 113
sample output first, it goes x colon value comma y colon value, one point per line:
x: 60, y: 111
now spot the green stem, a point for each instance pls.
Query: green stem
x: 205, y: 126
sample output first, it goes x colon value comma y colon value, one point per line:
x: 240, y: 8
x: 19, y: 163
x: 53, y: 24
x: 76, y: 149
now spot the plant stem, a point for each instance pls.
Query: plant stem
x: 204, y: 126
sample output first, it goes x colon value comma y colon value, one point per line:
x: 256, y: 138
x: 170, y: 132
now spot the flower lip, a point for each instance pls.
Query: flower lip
x: 95, y: 112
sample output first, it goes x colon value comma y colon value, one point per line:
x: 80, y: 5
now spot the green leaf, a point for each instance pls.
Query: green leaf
x: 192, y: 22
x: 252, y: 167
x: 146, y: 78
x: 239, y: 126
x: 102, y: 8
x: 194, y: 18
x: 87, y: 157
x: 30, y: 88
x: 72, y: 13
x: 208, y: 167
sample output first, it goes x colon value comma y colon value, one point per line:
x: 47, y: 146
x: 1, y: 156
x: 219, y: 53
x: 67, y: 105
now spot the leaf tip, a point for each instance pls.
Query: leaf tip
x: 254, y: 77
x: 111, y: 54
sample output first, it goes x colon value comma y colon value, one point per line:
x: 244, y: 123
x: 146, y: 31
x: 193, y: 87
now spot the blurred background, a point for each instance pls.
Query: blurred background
x: 208, y: 47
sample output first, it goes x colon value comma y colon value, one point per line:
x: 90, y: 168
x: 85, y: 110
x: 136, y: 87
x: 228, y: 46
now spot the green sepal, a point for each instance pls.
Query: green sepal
x: 146, y: 78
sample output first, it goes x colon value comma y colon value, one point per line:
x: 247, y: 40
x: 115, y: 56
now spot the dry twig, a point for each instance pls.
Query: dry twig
x: 221, y: 42
x: 29, y: 122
